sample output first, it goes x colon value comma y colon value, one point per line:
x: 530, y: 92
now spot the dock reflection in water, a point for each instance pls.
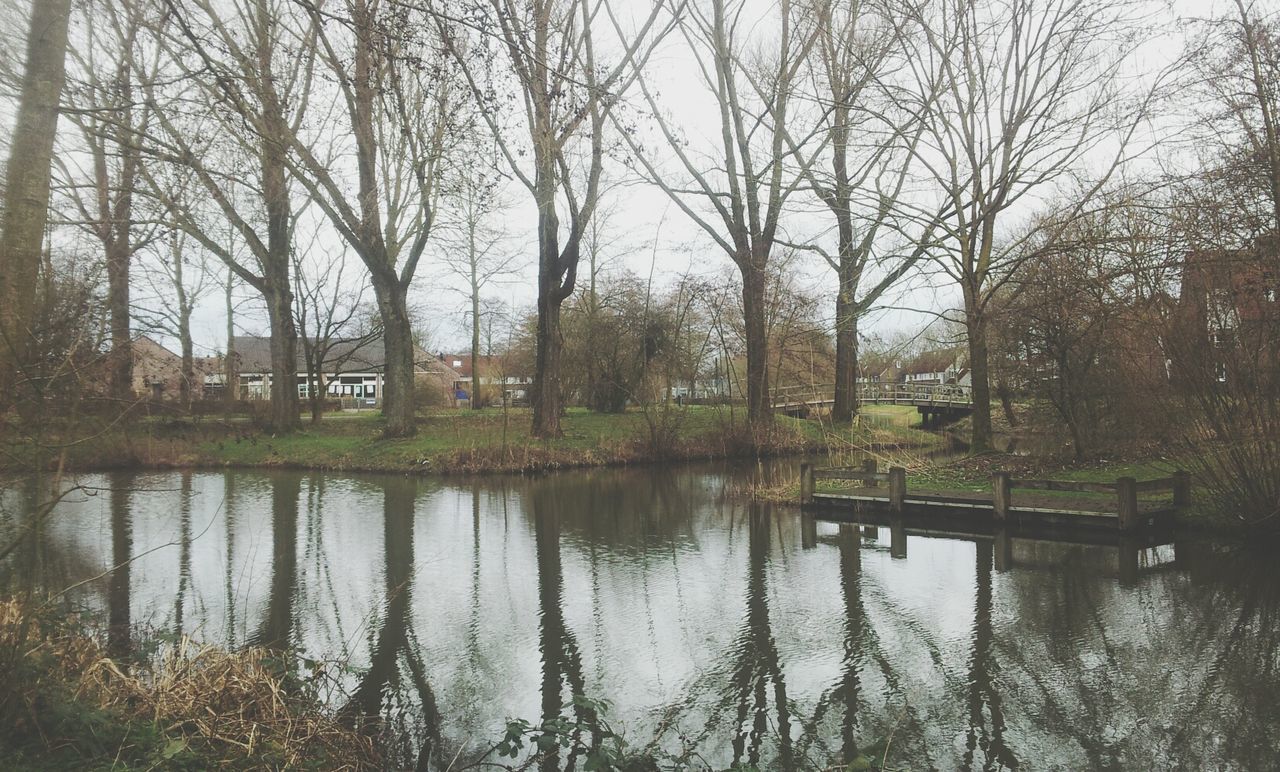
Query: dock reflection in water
x: 742, y: 629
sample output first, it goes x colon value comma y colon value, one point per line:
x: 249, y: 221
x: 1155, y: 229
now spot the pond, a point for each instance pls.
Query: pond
x: 705, y: 621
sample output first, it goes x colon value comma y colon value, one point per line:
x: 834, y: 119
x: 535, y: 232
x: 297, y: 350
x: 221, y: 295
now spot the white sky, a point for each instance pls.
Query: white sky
x: 648, y: 233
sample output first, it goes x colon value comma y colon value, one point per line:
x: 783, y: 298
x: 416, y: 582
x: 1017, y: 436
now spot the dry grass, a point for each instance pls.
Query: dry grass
x: 194, y: 707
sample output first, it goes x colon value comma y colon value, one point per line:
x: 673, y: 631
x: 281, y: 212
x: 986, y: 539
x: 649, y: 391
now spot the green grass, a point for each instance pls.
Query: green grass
x: 460, y: 441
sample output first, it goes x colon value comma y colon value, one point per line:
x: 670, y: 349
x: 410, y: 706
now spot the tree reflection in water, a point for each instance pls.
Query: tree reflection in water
x: 399, y: 695
x: 276, y: 630
x: 756, y: 673
x: 561, y: 660
x: 181, y: 598
x: 983, y: 671
x: 686, y: 610
x: 119, y: 619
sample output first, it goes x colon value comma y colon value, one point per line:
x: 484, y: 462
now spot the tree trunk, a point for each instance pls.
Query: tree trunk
x: 187, y: 381
x: 476, y: 402
x: 759, y: 410
x: 284, y: 358
x: 26, y: 202
x: 976, y: 327
x: 315, y: 387
x: 547, y: 400
x: 120, y: 375
x: 397, y: 341
x: 230, y: 365
x: 845, y: 406
x: 1005, y: 395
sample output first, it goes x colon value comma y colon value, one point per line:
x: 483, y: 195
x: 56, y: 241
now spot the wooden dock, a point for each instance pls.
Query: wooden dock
x: 888, y: 493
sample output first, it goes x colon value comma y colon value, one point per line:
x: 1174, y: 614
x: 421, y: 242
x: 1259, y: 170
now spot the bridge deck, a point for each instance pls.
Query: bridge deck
x: 941, y: 397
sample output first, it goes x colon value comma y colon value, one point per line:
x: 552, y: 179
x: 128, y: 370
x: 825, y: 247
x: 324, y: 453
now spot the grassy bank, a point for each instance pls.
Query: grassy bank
x: 457, y: 441
x: 68, y: 704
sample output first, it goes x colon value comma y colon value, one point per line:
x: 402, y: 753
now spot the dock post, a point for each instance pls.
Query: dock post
x: 1127, y: 559
x: 869, y: 466
x: 806, y: 484
x: 1003, y: 550
x: 897, y: 489
x: 897, y: 538
x: 870, y: 531
x: 808, y: 532
x: 1127, y: 496
x: 1001, y: 486
x: 1181, y: 490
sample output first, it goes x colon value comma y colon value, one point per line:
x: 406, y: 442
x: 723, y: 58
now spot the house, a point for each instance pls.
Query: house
x: 879, y: 367
x: 157, y: 371
x: 1230, y: 296
x: 936, y: 367
x: 352, y: 369
x: 497, y: 371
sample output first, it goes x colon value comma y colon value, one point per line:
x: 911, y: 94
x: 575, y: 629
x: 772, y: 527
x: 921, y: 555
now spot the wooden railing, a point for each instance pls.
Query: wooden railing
x: 895, y: 478
x: 944, y: 395
x: 1126, y: 489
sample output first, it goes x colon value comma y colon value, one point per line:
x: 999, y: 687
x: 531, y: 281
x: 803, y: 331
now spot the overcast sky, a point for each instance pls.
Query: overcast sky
x: 648, y: 234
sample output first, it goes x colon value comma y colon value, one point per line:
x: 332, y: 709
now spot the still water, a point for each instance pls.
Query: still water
x: 704, y: 620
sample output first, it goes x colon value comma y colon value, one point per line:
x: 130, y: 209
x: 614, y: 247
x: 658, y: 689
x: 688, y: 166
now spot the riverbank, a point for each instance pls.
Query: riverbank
x: 70, y: 704
x: 456, y: 442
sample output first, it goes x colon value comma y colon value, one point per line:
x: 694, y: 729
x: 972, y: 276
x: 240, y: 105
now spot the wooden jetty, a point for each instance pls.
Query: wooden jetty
x: 887, y: 493
x: 1013, y: 546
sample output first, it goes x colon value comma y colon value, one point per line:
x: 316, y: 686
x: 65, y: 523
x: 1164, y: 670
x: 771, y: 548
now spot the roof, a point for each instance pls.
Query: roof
x: 144, y: 345
x: 489, y: 363
x: 935, y: 361
x: 350, y: 355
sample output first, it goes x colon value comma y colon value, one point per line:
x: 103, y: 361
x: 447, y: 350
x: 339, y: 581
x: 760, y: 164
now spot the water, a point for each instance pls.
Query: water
x: 741, y: 629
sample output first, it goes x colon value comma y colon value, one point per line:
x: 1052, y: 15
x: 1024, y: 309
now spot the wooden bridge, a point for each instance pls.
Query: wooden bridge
x: 934, y: 402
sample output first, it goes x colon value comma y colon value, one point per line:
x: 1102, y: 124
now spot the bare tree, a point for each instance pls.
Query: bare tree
x: 27, y: 183
x: 477, y: 250
x: 228, y: 120
x: 110, y: 117
x: 567, y: 94
x: 402, y: 114
x: 1232, y: 97
x: 177, y: 283
x: 745, y: 181
x: 328, y: 303
x: 1014, y: 97
x: 869, y: 164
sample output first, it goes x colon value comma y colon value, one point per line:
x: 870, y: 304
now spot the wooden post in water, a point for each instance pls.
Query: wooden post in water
x: 1127, y: 560
x: 806, y: 484
x: 1127, y: 500
x: 897, y: 489
x: 808, y: 532
x: 897, y: 538
x: 1001, y: 488
x: 870, y: 531
x: 1003, y: 550
x: 1181, y: 490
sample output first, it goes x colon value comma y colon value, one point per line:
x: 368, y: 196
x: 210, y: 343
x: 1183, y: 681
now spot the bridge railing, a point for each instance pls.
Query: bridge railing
x: 871, y: 391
